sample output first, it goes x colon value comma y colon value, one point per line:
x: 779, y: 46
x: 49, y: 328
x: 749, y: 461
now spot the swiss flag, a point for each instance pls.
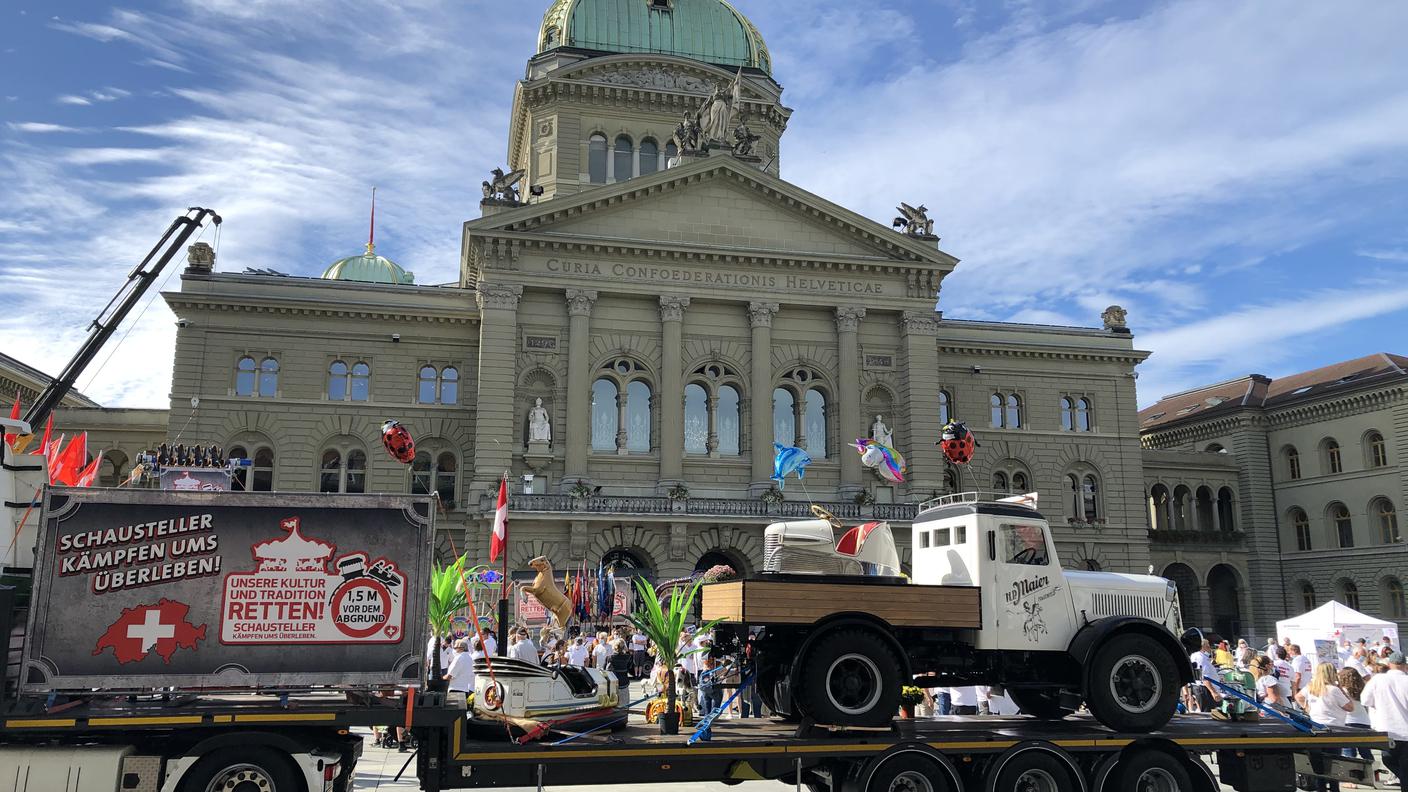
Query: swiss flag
x: 162, y: 627
x: 90, y: 473
x: 499, y: 543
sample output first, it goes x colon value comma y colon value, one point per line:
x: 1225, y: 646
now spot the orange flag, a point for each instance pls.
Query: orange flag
x: 71, y: 461
x: 85, y: 479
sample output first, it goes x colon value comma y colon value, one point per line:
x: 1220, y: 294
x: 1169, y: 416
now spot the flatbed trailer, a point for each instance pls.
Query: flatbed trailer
x: 311, y: 736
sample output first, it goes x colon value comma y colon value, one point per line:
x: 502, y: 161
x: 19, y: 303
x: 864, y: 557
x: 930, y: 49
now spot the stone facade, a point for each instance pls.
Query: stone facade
x: 674, y: 324
x: 1320, y: 488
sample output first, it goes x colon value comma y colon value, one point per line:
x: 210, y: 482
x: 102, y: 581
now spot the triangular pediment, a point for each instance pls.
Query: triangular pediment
x: 717, y: 203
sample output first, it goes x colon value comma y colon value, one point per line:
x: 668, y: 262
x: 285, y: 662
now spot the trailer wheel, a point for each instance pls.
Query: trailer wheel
x: 1040, y: 704
x: 850, y: 679
x: 244, y: 769
x: 1151, y: 771
x: 1035, y: 771
x: 908, y: 772
x: 1133, y: 684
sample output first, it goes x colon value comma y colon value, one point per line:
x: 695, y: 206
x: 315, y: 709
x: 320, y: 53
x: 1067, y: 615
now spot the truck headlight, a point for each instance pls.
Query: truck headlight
x: 1171, y: 591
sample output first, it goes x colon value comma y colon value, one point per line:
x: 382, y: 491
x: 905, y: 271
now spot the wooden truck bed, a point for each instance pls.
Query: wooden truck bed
x: 801, y: 599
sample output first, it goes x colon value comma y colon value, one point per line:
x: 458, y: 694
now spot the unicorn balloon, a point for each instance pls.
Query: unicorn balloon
x: 885, y: 461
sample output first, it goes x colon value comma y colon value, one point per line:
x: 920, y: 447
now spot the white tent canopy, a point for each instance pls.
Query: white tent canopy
x: 1331, y: 622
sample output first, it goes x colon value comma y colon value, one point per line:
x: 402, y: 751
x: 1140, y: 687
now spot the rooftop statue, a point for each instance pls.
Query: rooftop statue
x: 743, y: 137
x: 716, y: 115
x: 914, y: 220
x: 502, y: 187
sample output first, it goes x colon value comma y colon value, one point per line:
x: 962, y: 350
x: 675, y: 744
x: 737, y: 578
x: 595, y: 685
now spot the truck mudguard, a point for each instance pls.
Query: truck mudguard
x: 1095, y: 633
x: 884, y: 632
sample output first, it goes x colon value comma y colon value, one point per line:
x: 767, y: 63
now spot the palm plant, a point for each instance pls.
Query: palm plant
x: 447, y: 597
x: 663, y: 623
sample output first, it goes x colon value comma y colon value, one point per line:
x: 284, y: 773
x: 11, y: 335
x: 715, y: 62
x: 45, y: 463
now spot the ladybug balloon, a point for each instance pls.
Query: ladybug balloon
x: 958, y: 443
x: 398, y: 442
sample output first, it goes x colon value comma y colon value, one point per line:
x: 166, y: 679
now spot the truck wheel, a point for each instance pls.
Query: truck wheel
x: 1040, y: 704
x: 252, y: 768
x: 1133, y: 684
x: 909, y: 773
x: 1035, y: 771
x: 1151, y: 771
x: 850, y: 679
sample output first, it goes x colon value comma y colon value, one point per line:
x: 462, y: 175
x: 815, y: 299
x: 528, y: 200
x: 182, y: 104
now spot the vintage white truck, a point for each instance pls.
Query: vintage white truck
x: 837, y: 629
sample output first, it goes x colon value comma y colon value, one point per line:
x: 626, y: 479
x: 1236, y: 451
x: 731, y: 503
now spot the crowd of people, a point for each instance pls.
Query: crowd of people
x: 1363, y: 686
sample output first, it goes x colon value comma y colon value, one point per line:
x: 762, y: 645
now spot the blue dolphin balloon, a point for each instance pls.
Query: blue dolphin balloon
x: 789, y: 459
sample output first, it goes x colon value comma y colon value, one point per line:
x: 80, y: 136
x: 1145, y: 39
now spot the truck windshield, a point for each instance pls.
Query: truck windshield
x: 1024, y: 544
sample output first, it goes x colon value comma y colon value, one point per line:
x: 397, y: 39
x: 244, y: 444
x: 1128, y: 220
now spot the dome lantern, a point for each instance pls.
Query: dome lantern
x: 369, y: 267
x: 711, y: 31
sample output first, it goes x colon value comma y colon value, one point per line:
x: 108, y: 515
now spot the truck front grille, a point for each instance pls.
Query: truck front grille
x: 1105, y: 604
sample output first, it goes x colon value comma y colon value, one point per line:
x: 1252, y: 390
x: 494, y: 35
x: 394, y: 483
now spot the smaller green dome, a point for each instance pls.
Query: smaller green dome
x: 369, y: 268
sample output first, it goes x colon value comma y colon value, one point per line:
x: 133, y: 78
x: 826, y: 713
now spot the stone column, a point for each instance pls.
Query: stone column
x: 848, y: 399
x: 578, y: 430
x: 920, y: 381
x: 498, y: 359
x: 760, y: 316
x: 671, y: 399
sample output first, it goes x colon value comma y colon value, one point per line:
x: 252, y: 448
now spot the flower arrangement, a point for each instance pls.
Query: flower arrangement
x: 718, y: 573
x: 911, y: 695
x: 678, y: 492
x: 864, y: 498
x: 580, y: 490
x: 773, y: 495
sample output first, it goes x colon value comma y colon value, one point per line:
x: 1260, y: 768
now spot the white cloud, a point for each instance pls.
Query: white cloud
x: 40, y: 127
x: 1383, y: 254
x: 70, y: 99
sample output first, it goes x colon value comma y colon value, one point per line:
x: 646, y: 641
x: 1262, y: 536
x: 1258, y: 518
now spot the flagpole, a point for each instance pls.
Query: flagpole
x: 503, y: 587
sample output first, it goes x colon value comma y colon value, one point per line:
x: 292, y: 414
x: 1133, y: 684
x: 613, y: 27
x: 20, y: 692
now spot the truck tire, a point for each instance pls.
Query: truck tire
x: 909, y: 772
x: 849, y: 679
x: 248, y: 767
x: 1151, y: 771
x: 1040, y: 704
x: 1037, y: 771
x: 1132, y: 683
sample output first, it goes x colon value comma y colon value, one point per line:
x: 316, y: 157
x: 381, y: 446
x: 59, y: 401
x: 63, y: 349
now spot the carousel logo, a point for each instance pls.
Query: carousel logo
x: 1025, y: 588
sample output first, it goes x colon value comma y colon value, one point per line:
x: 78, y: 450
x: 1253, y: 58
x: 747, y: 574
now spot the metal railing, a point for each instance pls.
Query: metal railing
x: 979, y: 496
x: 709, y: 507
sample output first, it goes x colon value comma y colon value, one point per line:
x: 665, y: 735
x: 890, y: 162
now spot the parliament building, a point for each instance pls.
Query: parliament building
x: 640, y: 319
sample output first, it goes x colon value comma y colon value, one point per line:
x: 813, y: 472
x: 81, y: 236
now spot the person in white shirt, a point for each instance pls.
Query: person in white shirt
x: 1268, y: 688
x: 640, y: 656
x: 1206, y: 693
x: 601, y: 653
x: 1355, y: 661
x: 523, y: 649
x: 965, y: 700
x: 1386, y: 697
x: 577, y: 653
x: 461, y: 672
x: 1301, y: 669
x: 1327, y: 705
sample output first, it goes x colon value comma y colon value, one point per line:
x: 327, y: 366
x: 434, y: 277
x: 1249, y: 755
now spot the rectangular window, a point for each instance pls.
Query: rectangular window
x: 1024, y: 544
x: 960, y: 535
x: 923, y: 540
x: 1294, y: 461
x: 942, y: 537
x: 1335, y: 466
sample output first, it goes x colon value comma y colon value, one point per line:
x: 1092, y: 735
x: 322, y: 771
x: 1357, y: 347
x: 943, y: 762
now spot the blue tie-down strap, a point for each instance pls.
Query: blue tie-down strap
x: 1299, y: 721
x: 606, y: 725
x: 702, y: 732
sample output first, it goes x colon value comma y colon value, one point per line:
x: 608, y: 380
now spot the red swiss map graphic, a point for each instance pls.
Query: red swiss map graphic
x: 162, y: 627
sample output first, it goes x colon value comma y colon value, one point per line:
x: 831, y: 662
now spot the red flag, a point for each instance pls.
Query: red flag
x: 14, y: 416
x: 51, y: 456
x: 43, y: 449
x: 71, y: 461
x: 499, y: 543
x: 86, y: 478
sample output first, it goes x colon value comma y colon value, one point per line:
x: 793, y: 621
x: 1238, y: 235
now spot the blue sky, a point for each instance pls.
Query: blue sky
x: 1233, y: 174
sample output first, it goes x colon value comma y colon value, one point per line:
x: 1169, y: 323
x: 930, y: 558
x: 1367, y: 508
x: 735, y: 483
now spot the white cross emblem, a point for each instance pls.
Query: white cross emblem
x: 151, y: 631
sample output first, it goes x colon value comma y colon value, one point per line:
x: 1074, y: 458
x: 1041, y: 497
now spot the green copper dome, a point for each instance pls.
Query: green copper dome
x: 705, y: 30
x: 369, y: 268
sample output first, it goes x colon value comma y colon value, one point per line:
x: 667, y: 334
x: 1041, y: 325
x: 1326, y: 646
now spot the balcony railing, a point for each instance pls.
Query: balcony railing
x: 1171, y: 536
x: 704, y: 507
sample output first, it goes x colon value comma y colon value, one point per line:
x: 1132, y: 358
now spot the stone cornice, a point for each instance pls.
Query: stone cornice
x: 1041, y: 352
x: 924, y: 323
x: 179, y: 300
x: 1192, y: 433
x: 1348, y: 404
x: 498, y: 296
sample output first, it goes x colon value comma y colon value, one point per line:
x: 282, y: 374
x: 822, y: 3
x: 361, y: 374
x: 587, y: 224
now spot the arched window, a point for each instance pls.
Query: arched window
x: 638, y: 417
x: 596, y: 158
x: 1014, y: 411
x: 330, y: 472
x: 1010, y: 477
x: 995, y: 403
x: 268, y: 377
x: 1348, y: 593
x: 1182, y: 498
x: 784, y: 417
x: 1225, y: 514
x: 1068, y: 414
x: 449, y: 385
x: 1084, y: 415
x: 244, y: 376
x: 1215, y: 448
x: 696, y: 419
x: 816, y: 424
x: 1090, y: 497
x: 337, y: 381
x: 624, y: 154
x: 649, y: 156
x: 361, y: 381
x: 422, y: 476
x: 999, y: 482
x: 1292, y: 462
x: 258, y: 476
x: 1020, y: 485
x: 727, y: 421
x: 1159, y: 501
x: 1204, y: 508
x: 945, y: 408
x: 672, y: 152
x: 425, y: 385
x: 343, y: 469
x: 1301, y: 523
x: 1343, y: 523
x: 1384, y: 515
x: 446, y: 468
x: 110, y: 471
x: 1307, y: 596
x: 1394, y: 604
x: 1331, y: 452
x: 605, y: 415
x: 1377, y: 450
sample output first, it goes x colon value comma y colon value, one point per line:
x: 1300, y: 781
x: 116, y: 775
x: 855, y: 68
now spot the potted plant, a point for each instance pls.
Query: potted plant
x: 772, y: 497
x: 663, y: 623
x: 910, y: 696
x: 678, y: 496
x: 447, y: 597
x: 579, y: 494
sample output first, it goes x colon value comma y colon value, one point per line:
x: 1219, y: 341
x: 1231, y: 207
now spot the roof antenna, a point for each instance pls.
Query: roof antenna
x: 371, y: 232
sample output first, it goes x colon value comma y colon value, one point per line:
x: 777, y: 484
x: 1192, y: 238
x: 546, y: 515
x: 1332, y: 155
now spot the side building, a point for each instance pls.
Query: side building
x: 1268, y: 497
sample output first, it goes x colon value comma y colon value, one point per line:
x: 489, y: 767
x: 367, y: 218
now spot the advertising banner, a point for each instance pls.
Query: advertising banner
x: 143, y: 588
